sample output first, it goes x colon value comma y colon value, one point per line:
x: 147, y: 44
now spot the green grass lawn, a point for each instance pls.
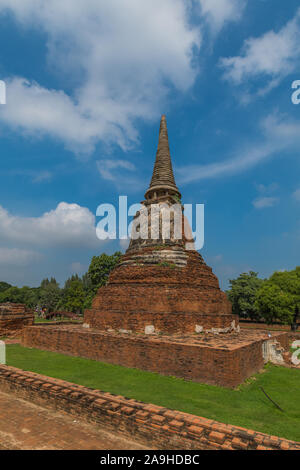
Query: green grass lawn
x: 247, y: 406
x: 67, y: 320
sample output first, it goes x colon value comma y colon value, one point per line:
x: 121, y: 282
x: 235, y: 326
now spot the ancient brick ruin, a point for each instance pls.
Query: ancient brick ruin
x: 162, y: 309
x: 160, y: 285
x: 13, y: 318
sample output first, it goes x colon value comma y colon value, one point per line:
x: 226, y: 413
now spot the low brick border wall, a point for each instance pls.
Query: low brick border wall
x: 265, y: 326
x: 149, y: 424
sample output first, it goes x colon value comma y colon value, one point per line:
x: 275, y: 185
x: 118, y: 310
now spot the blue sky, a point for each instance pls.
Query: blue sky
x: 87, y: 82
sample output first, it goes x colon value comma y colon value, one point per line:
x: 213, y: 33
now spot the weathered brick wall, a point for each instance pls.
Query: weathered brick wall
x: 152, y: 425
x: 158, y: 292
x: 167, y: 323
x: 209, y: 360
x: 265, y: 326
x: 13, y: 318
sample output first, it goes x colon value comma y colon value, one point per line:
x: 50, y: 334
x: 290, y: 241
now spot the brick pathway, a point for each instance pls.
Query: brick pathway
x: 27, y: 426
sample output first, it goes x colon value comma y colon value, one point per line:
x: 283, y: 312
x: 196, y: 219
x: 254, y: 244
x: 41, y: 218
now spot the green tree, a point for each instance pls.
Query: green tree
x: 275, y: 304
x: 50, y: 294
x: 97, y: 275
x: 279, y: 298
x: 12, y: 294
x: 100, y: 268
x: 4, y: 286
x: 243, y: 295
x: 74, y: 296
x: 24, y: 295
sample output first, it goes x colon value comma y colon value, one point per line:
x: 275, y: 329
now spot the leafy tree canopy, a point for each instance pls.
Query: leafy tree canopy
x: 74, y: 297
x: 4, y: 286
x: 274, y: 304
x: 242, y: 295
x: 100, y: 268
x: 279, y: 298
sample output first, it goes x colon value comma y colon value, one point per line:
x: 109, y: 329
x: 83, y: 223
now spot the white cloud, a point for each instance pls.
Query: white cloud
x: 219, y: 12
x: 296, y: 194
x: 127, y: 181
x: 251, y: 156
x: 272, y: 56
x: 69, y: 225
x: 18, y: 257
x: 121, y: 60
x: 263, y: 202
x: 279, y: 133
x: 106, y: 168
x: 36, y: 111
x: 125, y: 57
x: 281, y: 128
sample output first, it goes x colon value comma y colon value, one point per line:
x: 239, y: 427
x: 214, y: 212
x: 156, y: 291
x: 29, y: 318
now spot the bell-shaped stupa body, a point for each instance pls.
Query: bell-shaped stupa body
x: 160, y: 285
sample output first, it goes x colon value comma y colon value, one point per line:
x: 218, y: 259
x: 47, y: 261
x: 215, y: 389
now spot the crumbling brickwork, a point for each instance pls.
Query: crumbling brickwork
x: 152, y: 425
x: 13, y: 318
x: 171, y: 298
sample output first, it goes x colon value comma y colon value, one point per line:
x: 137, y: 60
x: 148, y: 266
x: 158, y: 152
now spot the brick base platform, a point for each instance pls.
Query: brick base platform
x: 148, y: 424
x: 213, y: 359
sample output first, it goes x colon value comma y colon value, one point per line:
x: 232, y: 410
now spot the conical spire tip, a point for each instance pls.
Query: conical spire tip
x: 163, y: 177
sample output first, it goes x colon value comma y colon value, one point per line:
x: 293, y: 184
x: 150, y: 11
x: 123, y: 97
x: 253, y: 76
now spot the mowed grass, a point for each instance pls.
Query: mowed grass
x: 246, y: 406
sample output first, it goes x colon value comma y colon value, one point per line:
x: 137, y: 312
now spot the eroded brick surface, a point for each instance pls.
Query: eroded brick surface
x: 26, y: 426
x: 13, y: 318
x: 171, y: 299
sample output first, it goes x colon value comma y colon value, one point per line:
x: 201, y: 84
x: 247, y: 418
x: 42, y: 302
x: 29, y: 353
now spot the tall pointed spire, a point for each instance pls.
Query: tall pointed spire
x: 163, y: 176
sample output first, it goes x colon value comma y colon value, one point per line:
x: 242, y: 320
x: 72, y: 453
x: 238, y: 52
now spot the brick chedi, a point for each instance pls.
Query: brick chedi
x: 160, y: 285
x: 162, y: 309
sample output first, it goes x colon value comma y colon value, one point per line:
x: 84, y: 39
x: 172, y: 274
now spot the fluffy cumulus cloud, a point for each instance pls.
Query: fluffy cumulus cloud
x: 219, y: 12
x: 125, y: 56
x: 36, y: 111
x: 59, y: 242
x: 272, y: 56
x: 69, y: 225
x: 123, y: 59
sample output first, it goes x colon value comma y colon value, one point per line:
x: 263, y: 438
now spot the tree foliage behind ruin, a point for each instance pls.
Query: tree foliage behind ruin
x: 76, y: 294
